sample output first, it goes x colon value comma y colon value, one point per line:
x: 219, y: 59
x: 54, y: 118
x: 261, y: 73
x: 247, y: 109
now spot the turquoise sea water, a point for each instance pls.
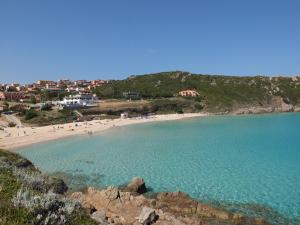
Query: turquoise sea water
x: 244, y: 163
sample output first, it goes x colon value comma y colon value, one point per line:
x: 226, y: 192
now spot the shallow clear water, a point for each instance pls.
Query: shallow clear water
x: 231, y: 159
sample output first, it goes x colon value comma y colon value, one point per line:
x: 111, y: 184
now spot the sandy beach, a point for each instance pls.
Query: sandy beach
x: 14, y: 138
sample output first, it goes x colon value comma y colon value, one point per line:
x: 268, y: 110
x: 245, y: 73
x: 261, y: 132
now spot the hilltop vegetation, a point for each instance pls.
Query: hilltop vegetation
x: 219, y: 93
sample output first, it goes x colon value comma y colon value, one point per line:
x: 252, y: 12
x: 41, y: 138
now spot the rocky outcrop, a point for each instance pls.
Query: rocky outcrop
x: 147, y: 216
x: 297, y: 109
x: 253, y: 110
x: 167, y: 208
x: 99, y: 216
x: 57, y: 186
x: 137, y: 185
x: 23, y: 163
x: 282, y: 105
x: 278, y: 104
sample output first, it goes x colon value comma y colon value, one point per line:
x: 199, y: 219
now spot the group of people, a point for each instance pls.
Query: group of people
x: 54, y: 128
x: 19, y: 132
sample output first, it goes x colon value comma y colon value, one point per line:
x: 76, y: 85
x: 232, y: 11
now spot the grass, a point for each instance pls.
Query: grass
x: 49, y: 117
x: 10, y: 215
x: 10, y: 185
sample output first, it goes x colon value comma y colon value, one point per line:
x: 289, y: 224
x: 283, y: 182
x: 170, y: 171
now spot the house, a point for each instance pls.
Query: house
x: 64, y: 82
x: 79, y: 100
x: 54, y: 90
x: 71, y: 89
x: 124, y: 115
x: 98, y: 82
x: 190, y: 93
x: 81, y: 82
x: 131, y: 94
x: 51, y: 85
x: 11, y: 96
x: 44, y: 82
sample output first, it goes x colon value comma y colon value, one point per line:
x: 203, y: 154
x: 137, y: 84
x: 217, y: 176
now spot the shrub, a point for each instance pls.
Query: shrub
x: 46, y: 107
x: 31, y: 113
x: 32, y: 180
x: 48, y: 208
x: 198, y: 106
x: 11, y: 124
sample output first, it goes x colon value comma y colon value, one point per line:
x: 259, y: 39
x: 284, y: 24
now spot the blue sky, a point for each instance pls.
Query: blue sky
x: 112, y: 39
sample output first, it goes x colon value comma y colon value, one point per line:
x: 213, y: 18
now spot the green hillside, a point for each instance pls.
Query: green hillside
x: 219, y: 93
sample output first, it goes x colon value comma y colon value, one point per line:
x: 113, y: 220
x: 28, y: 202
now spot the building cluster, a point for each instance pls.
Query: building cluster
x: 18, y: 92
x: 189, y: 93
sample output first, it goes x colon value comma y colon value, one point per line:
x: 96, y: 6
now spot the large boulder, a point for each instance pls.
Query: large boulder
x: 23, y: 163
x: 137, y: 185
x: 57, y: 185
x: 147, y: 216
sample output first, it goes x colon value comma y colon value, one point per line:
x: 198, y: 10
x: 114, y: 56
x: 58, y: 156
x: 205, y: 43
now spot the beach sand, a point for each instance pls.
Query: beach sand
x: 13, y: 138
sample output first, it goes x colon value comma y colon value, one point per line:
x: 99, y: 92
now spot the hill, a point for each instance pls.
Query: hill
x: 218, y: 93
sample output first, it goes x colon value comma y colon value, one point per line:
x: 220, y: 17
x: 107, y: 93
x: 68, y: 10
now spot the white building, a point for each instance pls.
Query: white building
x: 79, y: 100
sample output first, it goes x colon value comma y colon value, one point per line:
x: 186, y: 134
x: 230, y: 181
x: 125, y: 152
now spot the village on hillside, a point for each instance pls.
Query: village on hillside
x: 47, y: 102
x: 34, y: 92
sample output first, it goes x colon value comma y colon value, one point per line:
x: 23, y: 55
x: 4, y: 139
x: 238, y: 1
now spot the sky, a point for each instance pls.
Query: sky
x: 112, y: 39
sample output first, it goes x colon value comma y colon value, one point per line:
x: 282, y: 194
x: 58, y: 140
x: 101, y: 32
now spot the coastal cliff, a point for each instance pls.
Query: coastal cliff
x: 29, y: 197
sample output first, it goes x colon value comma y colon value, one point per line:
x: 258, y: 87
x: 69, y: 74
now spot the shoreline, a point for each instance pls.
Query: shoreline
x: 39, y: 135
x: 14, y: 139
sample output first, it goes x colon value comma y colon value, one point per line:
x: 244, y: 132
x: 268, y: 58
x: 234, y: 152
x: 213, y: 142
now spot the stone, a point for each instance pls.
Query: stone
x: 147, y: 216
x: 90, y: 209
x: 58, y: 186
x: 112, y: 193
x: 287, y: 107
x: 24, y: 163
x: 297, y: 109
x: 99, y: 216
x: 137, y: 185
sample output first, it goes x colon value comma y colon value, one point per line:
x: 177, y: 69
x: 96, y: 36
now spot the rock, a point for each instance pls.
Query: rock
x: 58, y: 186
x: 23, y: 163
x: 147, y: 216
x: 90, y: 209
x: 286, y: 107
x: 253, y: 110
x: 112, y: 193
x: 137, y: 185
x: 297, y: 109
x: 99, y: 216
x: 259, y: 221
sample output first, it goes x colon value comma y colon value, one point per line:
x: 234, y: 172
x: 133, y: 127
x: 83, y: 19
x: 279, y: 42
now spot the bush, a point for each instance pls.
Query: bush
x: 33, y: 100
x: 31, y: 113
x: 46, y: 107
x: 33, y: 180
x: 47, y: 208
x: 198, y: 106
x: 11, y: 124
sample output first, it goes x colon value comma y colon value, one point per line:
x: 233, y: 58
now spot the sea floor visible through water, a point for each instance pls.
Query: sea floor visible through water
x: 247, y: 163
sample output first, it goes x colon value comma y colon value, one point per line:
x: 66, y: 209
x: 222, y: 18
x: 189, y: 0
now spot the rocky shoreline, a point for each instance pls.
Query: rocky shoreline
x: 128, y: 206
x: 277, y: 105
x: 48, y: 200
